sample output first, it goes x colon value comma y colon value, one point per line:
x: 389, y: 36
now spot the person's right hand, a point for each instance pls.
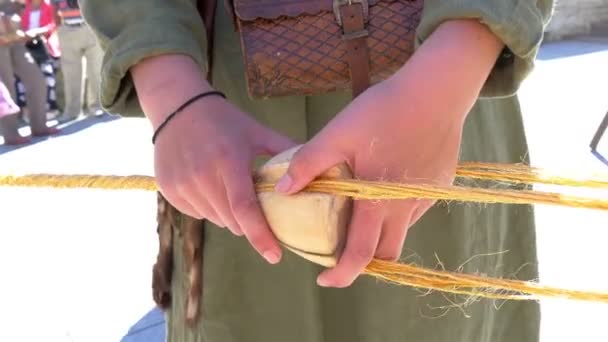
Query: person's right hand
x: 203, y: 161
x: 204, y: 156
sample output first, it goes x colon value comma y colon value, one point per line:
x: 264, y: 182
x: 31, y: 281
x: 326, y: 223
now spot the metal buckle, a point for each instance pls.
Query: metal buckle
x: 340, y: 3
x: 596, y: 140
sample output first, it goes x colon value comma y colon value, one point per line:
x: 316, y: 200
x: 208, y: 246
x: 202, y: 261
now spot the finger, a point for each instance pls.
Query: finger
x: 362, y: 240
x: 309, y: 162
x: 248, y: 213
x: 202, y: 206
x: 269, y: 142
x: 394, y: 231
x: 221, y: 210
x: 180, y: 203
x: 209, y: 190
x: 222, y: 207
x: 421, y: 209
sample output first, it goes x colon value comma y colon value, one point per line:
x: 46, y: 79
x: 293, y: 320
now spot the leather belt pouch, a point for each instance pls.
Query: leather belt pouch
x: 307, y: 47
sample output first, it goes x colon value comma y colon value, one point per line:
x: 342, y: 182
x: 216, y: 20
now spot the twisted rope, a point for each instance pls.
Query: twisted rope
x: 400, y: 273
x: 365, y: 190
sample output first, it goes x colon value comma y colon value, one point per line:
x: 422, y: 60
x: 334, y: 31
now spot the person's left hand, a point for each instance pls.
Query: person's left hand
x: 406, y: 129
x: 21, y: 36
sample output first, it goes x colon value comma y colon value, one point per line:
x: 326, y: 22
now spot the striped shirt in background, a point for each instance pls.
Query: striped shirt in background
x: 69, y: 12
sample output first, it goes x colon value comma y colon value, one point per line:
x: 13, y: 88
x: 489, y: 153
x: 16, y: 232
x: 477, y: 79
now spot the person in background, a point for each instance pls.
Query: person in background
x: 38, y: 19
x: 77, y: 41
x: 16, y: 59
x: 7, y: 105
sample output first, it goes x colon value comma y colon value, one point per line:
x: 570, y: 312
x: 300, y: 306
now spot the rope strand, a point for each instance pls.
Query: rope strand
x: 357, y: 189
x: 474, y: 286
x: 400, y: 273
x: 523, y: 174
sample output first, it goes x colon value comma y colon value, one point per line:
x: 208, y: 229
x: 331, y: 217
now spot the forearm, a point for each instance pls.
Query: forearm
x: 451, y: 67
x: 163, y: 28
x: 40, y: 31
x: 161, y: 92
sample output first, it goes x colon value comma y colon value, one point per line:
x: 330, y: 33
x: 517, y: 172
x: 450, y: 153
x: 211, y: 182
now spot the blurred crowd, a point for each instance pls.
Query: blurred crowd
x: 49, y: 67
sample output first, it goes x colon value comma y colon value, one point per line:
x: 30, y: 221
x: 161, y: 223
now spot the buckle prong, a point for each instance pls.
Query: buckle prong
x: 339, y: 3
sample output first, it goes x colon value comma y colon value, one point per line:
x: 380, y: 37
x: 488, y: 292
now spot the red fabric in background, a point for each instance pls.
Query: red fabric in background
x: 47, y: 19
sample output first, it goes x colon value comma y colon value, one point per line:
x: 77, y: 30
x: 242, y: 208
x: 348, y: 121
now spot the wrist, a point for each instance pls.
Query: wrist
x: 164, y: 83
x: 184, y: 106
x: 446, y: 74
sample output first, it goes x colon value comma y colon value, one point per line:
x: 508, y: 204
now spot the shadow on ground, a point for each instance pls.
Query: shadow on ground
x: 66, y: 129
x: 572, y: 48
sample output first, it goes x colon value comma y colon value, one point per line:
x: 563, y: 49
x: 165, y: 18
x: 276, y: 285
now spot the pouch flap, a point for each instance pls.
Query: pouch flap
x: 272, y: 9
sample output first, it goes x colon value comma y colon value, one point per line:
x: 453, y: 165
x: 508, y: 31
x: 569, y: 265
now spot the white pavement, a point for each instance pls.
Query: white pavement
x: 564, y: 102
x: 76, y: 264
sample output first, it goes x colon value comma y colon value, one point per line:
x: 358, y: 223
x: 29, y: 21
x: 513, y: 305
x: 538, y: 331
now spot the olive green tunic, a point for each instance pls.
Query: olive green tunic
x: 245, y: 298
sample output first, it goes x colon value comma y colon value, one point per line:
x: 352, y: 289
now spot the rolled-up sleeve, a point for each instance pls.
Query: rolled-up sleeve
x: 131, y: 30
x: 520, y: 24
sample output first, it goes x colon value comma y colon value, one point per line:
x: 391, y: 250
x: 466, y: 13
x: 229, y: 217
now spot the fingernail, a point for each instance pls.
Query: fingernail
x: 322, y: 281
x: 284, y: 184
x: 271, y: 257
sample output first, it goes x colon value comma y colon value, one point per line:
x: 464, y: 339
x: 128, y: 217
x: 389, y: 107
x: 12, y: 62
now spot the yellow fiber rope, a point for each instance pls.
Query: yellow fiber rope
x: 134, y: 182
x: 524, y: 174
x: 473, y: 286
x: 407, y: 274
x: 357, y: 189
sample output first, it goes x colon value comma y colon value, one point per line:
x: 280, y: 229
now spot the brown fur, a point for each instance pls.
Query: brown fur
x: 191, y: 231
x: 193, y: 257
x: 163, y: 269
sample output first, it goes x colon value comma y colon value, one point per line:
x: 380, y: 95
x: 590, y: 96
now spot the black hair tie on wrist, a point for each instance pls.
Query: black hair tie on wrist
x: 186, y: 104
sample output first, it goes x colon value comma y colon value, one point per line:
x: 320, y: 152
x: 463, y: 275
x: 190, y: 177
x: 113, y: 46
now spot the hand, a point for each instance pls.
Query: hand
x: 19, y: 36
x: 33, y: 33
x: 204, y: 155
x: 406, y: 129
x: 203, y: 162
x: 7, y: 40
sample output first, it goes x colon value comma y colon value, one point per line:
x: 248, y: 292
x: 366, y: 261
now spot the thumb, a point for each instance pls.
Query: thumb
x: 309, y: 162
x: 270, y: 142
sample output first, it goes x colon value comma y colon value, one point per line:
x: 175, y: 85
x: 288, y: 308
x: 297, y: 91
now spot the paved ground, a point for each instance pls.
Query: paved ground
x: 86, y: 276
x: 564, y: 101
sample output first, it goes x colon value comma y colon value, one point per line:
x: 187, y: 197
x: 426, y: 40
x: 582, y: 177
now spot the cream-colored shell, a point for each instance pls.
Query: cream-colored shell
x: 312, y: 225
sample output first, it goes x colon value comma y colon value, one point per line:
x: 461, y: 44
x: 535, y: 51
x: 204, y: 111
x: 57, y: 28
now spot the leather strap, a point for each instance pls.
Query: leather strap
x: 352, y: 17
x: 206, y: 9
x: 355, y: 37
